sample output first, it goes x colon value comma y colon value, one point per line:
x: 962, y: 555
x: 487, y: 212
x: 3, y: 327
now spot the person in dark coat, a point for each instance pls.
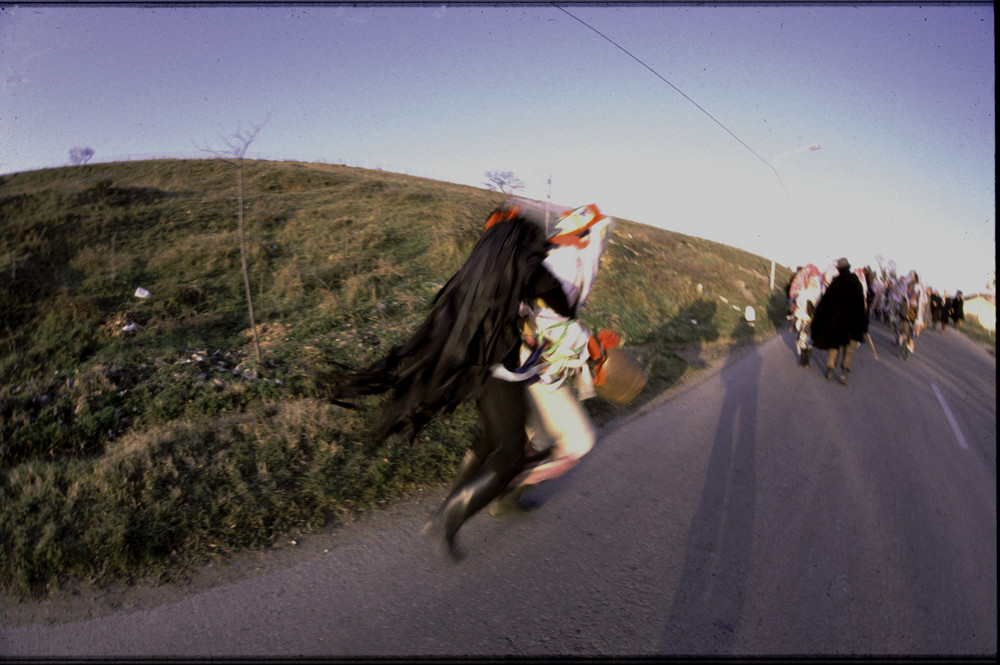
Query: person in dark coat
x: 841, y: 319
x: 936, y: 305
x: 958, y: 309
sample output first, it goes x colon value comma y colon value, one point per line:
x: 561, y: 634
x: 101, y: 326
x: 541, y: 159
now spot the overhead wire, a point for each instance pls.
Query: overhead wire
x: 678, y: 90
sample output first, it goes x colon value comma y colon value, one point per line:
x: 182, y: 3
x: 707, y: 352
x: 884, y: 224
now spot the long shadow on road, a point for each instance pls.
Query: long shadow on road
x: 710, y: 597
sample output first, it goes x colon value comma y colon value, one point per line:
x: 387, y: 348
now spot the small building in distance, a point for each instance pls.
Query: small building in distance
x: 984, y: 308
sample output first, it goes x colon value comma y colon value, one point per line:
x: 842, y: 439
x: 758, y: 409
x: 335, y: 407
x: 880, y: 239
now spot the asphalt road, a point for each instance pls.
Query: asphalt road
x: 761, y: 511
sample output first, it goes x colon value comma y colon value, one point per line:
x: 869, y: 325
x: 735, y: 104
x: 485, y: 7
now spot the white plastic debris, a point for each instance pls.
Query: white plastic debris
x: 132, y: 327
x: 142, y: 293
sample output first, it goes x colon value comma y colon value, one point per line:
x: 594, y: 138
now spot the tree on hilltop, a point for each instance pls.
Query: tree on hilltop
x: 503, y: 181
x: 79, y: 156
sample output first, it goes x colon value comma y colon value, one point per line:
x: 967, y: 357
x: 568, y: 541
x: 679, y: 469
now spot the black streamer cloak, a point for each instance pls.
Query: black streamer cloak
x: 473, y: 325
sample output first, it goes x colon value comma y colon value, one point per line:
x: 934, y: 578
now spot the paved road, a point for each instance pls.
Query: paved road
x: 762, y: 511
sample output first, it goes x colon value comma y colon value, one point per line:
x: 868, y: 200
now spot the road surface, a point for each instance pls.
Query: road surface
x: 761, y: 511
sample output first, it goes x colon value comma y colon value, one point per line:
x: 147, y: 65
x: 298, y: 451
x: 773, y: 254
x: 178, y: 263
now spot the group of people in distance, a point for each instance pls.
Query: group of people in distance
x: 830, y: 310
x: 904, y: 304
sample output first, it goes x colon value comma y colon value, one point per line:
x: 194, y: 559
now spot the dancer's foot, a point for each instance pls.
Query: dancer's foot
x: 447, y: 547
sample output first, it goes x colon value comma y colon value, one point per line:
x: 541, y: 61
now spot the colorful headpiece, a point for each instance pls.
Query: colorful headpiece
x: 573, y: 225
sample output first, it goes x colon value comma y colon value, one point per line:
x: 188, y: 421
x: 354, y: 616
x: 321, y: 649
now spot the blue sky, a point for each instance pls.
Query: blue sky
x: 900, y: 98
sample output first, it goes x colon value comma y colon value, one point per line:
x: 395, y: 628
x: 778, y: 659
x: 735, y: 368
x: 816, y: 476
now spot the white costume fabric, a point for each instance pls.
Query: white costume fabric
x: 805, y: 293
x: 556, y: 419
x: 916, y: 296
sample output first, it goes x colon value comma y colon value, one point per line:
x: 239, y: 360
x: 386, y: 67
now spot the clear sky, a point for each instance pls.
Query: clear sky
x: 901, y: 99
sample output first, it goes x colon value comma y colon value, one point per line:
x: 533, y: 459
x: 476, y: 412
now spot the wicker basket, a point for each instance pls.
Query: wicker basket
x: 624, y: 378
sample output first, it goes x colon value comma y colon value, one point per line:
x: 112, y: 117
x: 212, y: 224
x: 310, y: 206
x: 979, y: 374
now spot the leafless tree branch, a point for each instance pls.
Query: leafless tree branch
x: 237, y: 145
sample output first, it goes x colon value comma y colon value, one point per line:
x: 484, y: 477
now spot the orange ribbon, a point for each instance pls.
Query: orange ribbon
x: 503, y: 216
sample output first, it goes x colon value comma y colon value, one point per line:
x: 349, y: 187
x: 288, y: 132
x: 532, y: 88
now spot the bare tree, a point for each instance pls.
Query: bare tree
x: 79, y: 156
x: 237, y: 145
x: 503, y: 181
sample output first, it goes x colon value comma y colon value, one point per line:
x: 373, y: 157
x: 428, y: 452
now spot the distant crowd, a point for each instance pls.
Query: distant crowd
x: 919, y: 304
x: 904, y: 304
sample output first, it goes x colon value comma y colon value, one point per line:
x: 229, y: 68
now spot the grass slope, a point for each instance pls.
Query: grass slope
x: 126, y: 454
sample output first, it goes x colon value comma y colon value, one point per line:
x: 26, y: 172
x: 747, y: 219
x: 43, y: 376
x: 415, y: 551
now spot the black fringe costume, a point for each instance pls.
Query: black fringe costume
x: 474, y: 324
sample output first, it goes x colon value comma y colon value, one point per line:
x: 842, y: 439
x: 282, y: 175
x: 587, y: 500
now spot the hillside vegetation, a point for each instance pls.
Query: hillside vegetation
x: 141, y: 436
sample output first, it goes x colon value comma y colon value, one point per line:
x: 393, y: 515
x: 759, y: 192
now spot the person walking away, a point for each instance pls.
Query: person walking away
x: 945, y: 311
x: 935, y: 303
x: 958, y: 309
x: 841, y: 321
x: 879, y: 304
x: 868, y: 281
x: 918, y: 299
x: 804, y: 293
x: 911, y: 312
x: 897, y: 297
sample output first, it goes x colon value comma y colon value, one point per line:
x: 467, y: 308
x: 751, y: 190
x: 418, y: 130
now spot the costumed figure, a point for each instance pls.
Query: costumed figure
x: 911, y: 303
x: 804, y: 293
x: 863, y: 278
x: 916, y: 294
x: 896, y: 299
x: 878, y: 300
x: 884, y: 301
x: 935, y: 305
x: 841, y: 320
x: 503, y: 331
x: 868, y: 281
x: 828, y: 275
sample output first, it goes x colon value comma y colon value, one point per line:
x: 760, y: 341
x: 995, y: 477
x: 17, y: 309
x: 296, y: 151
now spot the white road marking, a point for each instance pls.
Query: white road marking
x: 951, y: 418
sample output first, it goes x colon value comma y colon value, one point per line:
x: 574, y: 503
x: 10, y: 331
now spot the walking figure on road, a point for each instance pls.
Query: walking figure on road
x: 946, y: 311
x: 958, y: 309
x: 804, y: 293
x: 503, y: 331
x: 841, y: 320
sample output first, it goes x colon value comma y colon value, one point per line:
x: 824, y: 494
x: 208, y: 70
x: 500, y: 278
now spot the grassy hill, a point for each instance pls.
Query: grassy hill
x: 141, y: 436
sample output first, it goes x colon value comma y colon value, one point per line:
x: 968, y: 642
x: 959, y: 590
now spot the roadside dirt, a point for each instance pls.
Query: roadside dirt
x: 84, y: 603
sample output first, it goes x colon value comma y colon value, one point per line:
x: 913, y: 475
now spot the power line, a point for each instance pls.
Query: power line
x: 679, y: 91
